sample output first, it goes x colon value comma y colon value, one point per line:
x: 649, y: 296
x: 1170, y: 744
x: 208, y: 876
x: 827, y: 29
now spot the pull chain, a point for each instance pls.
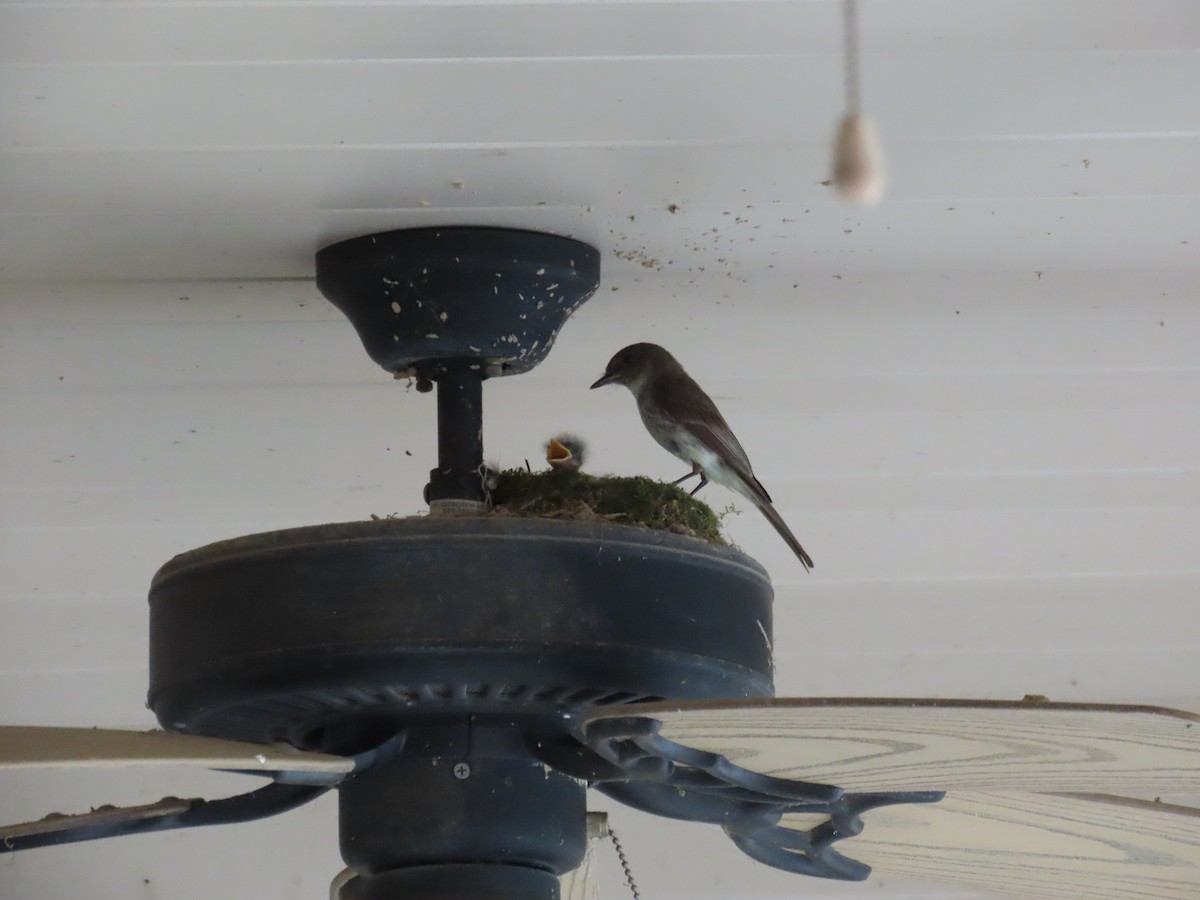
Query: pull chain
x: 852, y: 79
x: 624, y: 865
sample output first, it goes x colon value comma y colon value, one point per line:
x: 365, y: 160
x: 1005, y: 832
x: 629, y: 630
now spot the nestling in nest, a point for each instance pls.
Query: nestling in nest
x: 564, y: 492
x: 566, y: 452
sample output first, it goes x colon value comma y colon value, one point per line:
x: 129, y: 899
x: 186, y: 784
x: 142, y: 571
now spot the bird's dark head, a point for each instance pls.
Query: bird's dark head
x: 636, y: 364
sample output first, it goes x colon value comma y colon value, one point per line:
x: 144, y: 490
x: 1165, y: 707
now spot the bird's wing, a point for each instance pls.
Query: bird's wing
x: 679, y: 398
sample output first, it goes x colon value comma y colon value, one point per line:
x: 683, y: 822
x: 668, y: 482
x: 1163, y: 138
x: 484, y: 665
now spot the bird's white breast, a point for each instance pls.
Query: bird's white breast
x: 680, y: 442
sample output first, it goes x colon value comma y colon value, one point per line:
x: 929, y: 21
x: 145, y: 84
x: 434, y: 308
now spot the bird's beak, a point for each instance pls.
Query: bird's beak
x: 560, y: 456
x: 602, y: 381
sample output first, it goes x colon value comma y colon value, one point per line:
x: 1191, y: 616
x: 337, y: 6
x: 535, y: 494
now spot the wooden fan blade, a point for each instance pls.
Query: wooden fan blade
x: 1035, y: 845
x: 582, y: 883
x: 31, y: 747
x: 906, y: 745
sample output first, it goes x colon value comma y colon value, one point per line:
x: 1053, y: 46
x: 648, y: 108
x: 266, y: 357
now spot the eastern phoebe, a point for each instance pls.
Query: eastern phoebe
x: 684, y: 420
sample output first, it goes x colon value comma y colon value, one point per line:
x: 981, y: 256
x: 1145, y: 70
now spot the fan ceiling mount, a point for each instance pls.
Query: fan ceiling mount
x: 461, y: 680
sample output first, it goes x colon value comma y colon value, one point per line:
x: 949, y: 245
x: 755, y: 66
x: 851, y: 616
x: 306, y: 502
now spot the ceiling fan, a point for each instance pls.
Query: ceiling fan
x: 462, y: 679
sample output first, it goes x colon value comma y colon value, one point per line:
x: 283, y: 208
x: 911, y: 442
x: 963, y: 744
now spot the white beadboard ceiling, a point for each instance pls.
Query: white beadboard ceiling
x: 229, y: 140
x: 978, y: 404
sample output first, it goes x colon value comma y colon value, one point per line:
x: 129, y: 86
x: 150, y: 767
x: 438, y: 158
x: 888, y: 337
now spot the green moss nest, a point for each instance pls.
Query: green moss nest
x: 557, y: 494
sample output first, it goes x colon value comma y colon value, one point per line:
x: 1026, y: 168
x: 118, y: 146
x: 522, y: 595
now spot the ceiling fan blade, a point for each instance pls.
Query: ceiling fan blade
x: 1035, y: 845
x: 580, y: 883
x: 869, y: 745
x: 36, y: 747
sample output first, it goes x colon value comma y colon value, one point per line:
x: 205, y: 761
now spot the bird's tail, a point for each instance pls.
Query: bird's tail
x: 779, y: 525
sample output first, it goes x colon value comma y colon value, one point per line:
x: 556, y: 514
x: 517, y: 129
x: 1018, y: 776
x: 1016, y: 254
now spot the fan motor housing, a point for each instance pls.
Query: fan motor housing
x: 331, y: 636
x: 422, y: 297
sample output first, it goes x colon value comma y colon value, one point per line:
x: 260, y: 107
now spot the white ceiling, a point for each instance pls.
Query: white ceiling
x: 978, y: 404
x: 229, y: 140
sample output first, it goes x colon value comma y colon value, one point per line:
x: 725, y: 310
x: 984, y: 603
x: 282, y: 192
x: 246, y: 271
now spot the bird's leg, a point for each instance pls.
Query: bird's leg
x: 696, y: 470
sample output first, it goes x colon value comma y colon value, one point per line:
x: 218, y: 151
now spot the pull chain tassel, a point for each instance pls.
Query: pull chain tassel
x: 858, y: 169
x: 859, y: 173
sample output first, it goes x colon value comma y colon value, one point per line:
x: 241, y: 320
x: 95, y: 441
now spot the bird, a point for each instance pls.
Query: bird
x: 566, y: 452
x: 685, y: 421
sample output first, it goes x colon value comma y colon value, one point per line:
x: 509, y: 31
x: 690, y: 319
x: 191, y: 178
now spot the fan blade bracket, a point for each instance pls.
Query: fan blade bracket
x: 699, y: 785
x: 629, y: 741
x: 811, y: 852
x: 101, y: 817
x: 285, y: 776
x: 165, y: 814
